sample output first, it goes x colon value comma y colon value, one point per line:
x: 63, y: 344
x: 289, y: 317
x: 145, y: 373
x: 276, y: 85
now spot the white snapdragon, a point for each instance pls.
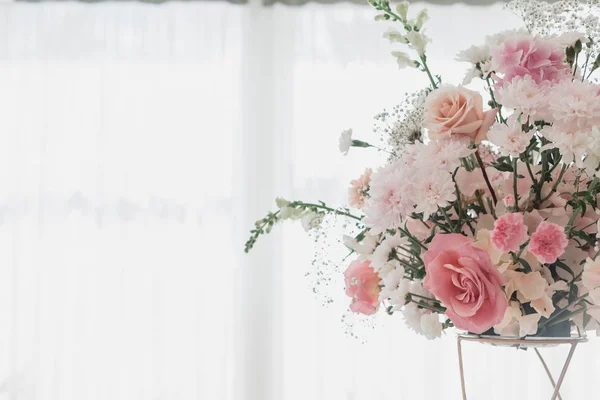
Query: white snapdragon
x: 402, y: 9
x: 292, y: 213
x: 403, y: 59
x: 281, y: 202
x: 418, y: 41
x: 395, y: 37
x: 422, y: 17
x: 311, y: 220
x: 345, y: 141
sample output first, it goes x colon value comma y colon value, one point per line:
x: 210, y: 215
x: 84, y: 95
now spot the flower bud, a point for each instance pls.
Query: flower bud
x: 422, y: 17
x: 402, y: 9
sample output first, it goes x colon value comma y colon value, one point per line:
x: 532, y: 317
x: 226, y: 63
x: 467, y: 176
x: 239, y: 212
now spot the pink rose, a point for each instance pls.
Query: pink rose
x: 509, y: 233
x: 362, y: 285
x: 463, y: 278
x: 359, y: 189
x: 548, y: 242
x: 457, y: 111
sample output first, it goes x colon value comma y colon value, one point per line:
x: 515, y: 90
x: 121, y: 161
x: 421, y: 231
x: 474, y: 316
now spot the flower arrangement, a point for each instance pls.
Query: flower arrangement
x: 486, y: 217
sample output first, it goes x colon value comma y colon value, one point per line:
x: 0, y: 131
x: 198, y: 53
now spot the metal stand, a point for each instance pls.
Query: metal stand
x: 523, y: 343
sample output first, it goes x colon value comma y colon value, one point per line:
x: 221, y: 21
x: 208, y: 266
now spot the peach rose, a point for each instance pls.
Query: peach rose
x: 457, y: 111
x: 463, y: 278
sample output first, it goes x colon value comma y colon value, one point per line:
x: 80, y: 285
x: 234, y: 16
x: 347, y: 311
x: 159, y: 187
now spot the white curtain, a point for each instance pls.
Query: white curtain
x: 138, y: 145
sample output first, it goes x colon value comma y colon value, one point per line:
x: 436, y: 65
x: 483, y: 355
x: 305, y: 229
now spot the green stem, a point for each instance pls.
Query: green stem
x: 485, y: 176
x: 423, y: 297
x: 555, y: 185
x: 554, y: 320
x: 423, y: 304
x: 448, y: 220
x: 498, y: 106
x: 412, y: 238
x: 426, y: 69
x: 516, y: 193
x: 322, y: 207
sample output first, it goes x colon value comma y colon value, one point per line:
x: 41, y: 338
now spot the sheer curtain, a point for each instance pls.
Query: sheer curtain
x: 139, y: 144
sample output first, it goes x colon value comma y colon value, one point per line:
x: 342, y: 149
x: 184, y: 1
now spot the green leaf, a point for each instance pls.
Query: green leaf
x: 586, y: 319
x: 573, y: 294
x: 525, y: 265
x: 570, y: 52
x: 596, y: 64
x: 564, y: 266
x: 503, y: 167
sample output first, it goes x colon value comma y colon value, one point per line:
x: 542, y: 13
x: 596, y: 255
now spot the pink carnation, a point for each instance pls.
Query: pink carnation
x: 523, y: 55
x: 362, y: 285
x: 464, y: 279
x: 548, y: 242
x: 575, y: 106
x: 509, y: 233
x: 359, y: 188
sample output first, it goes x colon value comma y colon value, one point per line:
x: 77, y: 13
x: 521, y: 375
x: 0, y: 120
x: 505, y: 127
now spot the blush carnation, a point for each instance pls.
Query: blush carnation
x: 523, y: 55
x: 433, y: 190
x: 359, y: 189
x: 575, y: 106
x: 525, y: 96
x: 463, y: 278
x: 548, y: 242
x: 390, y: 198
x: 509, y: 233
x: 362, y: 285
x: 510, y: 137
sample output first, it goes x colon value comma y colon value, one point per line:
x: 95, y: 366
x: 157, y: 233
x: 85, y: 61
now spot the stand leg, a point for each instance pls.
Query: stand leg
x: 547, y: 371
x: 564, y: 371
x: 460, y: 365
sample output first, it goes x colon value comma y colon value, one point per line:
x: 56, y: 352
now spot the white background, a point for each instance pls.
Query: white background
x: 139, y: 143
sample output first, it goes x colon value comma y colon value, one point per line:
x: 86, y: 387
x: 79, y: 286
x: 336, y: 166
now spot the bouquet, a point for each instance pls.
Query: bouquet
x: 486, y: 216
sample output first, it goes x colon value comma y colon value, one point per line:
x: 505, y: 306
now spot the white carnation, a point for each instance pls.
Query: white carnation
x: 345, y: 141
x: 412, y: 316
x: 431, y: 327
x: 474, y: 54
x: 366, y: 247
